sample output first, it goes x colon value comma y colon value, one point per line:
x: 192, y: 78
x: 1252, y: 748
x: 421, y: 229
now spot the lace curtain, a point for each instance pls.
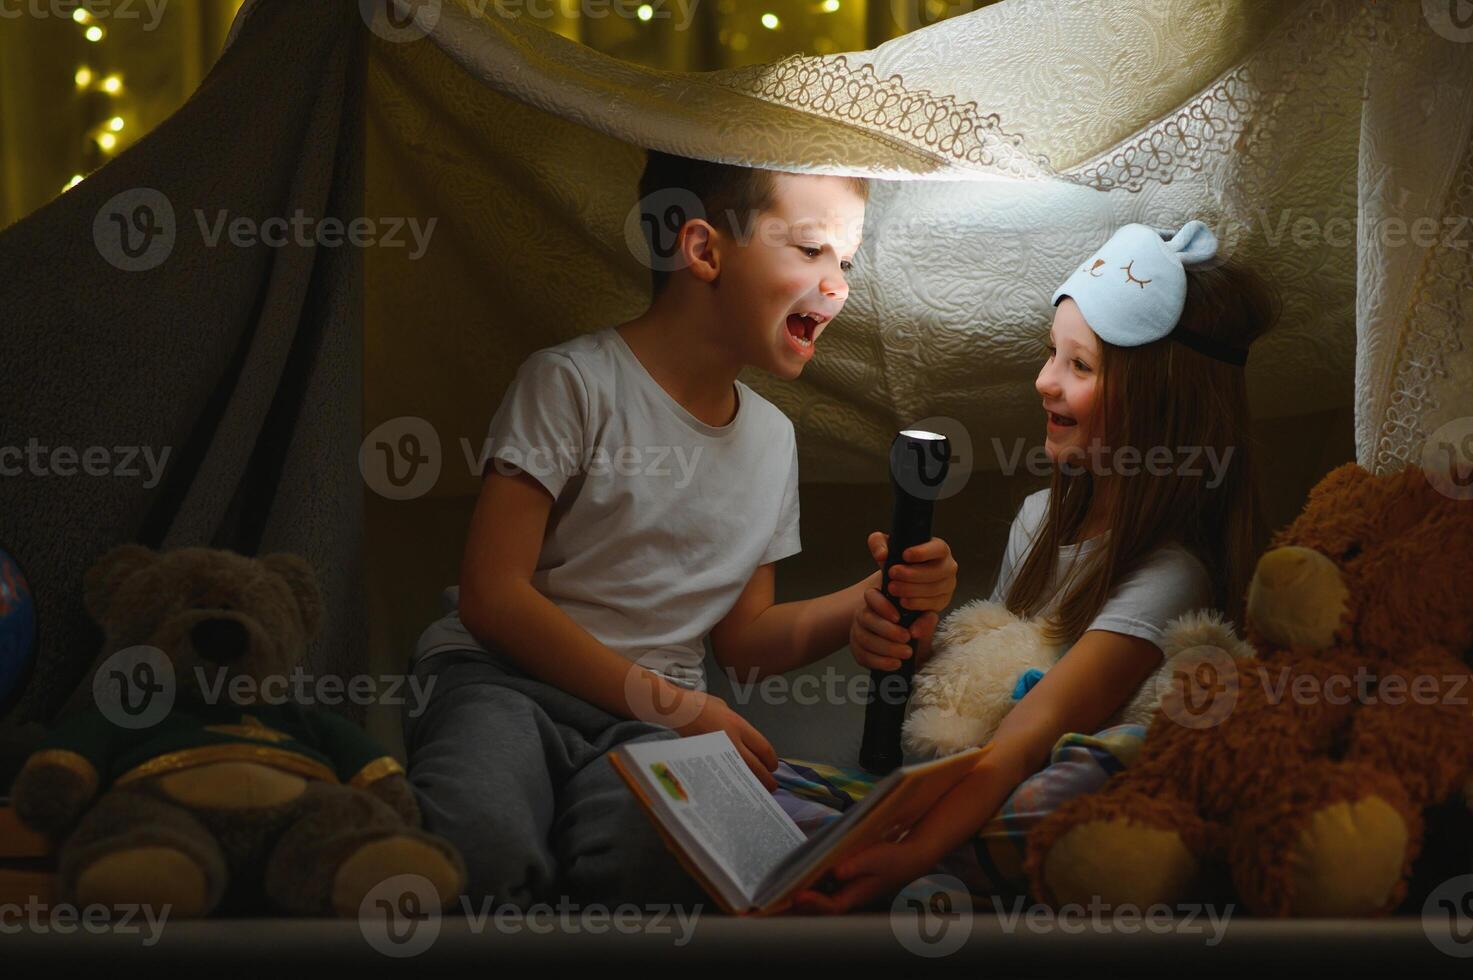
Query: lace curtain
x: 1016, y: 138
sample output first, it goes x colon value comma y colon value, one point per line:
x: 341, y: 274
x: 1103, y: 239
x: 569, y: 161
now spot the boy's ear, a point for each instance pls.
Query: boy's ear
x: 698, y: 248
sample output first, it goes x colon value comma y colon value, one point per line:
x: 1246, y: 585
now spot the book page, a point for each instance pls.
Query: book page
x: 894, y: 804
x: 704, y: 786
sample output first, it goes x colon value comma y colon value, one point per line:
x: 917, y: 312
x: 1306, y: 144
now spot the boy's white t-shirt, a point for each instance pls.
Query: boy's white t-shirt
x: 1169, y: 582
x: 658, y: 519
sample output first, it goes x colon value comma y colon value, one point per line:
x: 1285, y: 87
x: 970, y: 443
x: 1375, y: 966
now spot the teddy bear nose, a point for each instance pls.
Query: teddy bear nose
x: 219, y: 640
x: 1297, y: 598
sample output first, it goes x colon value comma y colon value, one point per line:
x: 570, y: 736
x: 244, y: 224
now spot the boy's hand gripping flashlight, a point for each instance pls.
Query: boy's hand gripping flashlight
x: 918, y: 467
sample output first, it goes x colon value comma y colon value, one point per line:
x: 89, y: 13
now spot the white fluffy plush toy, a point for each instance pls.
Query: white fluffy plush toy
x: 985, y: 659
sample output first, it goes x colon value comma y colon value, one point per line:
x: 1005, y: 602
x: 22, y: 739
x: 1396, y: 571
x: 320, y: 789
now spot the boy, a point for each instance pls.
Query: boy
x: 636, y: 500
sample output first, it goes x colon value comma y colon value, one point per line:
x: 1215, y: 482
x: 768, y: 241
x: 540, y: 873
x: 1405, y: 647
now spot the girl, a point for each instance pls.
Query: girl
x: 1151, y: 512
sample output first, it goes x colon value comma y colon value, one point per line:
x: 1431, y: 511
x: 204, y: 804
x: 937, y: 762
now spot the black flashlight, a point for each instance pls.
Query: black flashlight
x: 918, y: 466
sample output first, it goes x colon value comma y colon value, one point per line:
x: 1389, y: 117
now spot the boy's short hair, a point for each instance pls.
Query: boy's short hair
x: 729, y: 194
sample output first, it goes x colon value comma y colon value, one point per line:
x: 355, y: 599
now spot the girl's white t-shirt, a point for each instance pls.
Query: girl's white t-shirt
x: 1171, y: 581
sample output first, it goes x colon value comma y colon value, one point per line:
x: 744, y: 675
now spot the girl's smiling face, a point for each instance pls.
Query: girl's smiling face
x: 1068, y: 382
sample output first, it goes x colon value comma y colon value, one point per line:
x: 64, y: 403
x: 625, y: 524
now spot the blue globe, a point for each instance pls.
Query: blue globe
x: 17, y: 625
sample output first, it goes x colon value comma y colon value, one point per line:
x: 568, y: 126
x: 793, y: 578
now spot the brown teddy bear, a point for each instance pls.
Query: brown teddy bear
x: 207, y: 788
x: 1310, y: 774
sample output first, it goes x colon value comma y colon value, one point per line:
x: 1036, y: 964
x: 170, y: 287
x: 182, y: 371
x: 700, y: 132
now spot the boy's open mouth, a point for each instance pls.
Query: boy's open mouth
x: 804, y: 328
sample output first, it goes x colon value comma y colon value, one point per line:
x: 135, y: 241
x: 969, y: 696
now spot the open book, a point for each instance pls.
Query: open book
x: 736, y: 840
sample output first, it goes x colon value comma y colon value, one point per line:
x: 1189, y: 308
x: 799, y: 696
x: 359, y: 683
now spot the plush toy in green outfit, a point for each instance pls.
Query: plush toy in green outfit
x: 222, y: 795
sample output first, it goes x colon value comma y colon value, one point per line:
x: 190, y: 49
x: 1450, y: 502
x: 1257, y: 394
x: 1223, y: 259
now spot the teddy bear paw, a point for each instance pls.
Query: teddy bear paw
x: 1348, y: 860
x: 1118, y: 862
x: 378, y: 861
x: 156, y: 876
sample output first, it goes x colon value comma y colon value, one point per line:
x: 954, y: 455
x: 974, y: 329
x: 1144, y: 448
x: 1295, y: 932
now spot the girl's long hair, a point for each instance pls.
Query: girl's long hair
x: 1161, y: 394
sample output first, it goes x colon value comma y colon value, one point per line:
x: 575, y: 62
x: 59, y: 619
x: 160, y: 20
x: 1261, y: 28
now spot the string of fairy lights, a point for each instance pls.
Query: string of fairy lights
x: 102, y: 89
x: 104, y: 99
x: 737, y: 39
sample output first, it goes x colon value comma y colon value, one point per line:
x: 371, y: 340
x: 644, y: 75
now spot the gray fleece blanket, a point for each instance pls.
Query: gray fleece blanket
x: 168, y: 385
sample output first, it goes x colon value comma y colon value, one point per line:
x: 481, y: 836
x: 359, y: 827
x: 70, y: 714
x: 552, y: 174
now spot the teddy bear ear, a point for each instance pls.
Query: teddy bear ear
x: 1340, y: 479
x: 107, y: 575
x: 302, y: 580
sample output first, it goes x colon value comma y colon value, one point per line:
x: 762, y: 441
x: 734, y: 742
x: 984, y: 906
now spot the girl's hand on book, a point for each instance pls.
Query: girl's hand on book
x: 873, y: 875
x: 716, y: 716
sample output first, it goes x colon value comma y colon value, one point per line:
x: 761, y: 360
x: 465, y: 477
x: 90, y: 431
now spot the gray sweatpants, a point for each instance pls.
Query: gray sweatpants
x: 515, y: 772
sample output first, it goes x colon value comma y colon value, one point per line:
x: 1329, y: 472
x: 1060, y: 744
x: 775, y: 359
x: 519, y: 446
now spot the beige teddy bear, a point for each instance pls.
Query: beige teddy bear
x: 986, y: 657
x: 189, y: 785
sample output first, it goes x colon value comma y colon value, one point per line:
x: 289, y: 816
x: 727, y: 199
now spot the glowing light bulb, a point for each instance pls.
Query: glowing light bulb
x: 115, y: 124
x: 645, y: 12
x: 830, y: 6
x: 107, y: 141
x: 84, y: 77
x: 81, y: 15
x: 76, y: 179
x: 95, y: 34
x: 771, y: 22
x: 112, y: 84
